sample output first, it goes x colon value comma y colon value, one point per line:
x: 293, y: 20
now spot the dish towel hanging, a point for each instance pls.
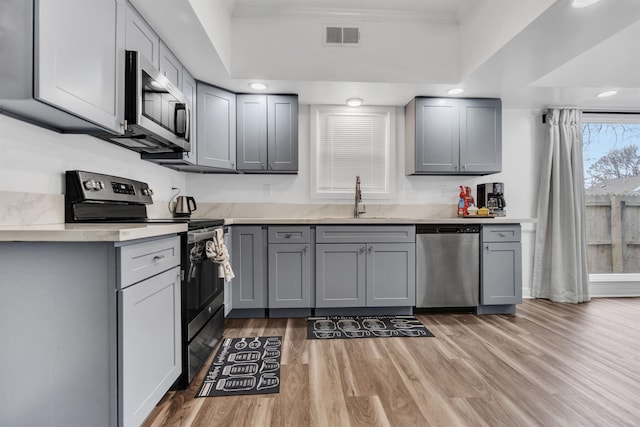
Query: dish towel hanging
x: 217, y: 252
x: 196, y: 256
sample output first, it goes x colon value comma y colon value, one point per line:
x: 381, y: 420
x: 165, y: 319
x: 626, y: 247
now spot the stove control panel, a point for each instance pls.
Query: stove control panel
x: 82, y: 186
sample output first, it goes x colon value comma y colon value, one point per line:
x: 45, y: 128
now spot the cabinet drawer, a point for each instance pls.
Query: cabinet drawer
x: 142, y: 260
x: 501, y: 233
x: 295, y: 234
x: 366, y: 234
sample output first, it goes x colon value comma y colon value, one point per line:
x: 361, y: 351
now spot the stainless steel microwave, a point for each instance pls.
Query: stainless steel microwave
x: 157, y: 115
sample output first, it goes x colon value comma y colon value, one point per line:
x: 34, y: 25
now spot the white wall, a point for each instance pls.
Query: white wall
x: 384, y: 44
x: 33, y: 160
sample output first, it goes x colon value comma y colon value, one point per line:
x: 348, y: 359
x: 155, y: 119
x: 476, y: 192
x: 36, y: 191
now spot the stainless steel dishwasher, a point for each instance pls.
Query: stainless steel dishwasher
x: 447, y: 265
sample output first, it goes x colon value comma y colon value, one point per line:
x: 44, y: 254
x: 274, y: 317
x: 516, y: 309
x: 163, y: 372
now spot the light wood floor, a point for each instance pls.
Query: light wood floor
x: 549, y: 365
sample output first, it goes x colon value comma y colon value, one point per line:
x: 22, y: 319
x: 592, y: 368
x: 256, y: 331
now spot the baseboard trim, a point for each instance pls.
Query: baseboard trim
x: 605, y: 290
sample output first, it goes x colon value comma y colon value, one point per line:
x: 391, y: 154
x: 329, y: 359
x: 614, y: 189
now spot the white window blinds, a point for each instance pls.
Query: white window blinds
x: 350, y: 143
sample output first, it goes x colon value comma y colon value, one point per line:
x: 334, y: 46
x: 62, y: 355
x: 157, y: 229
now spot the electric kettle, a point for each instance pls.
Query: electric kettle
x: 184, y: 206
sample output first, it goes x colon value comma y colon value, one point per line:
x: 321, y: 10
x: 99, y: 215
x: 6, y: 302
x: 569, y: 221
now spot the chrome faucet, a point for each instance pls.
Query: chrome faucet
x: 357, y: 208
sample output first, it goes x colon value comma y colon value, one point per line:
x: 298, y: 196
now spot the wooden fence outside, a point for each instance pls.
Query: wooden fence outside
x: 613, y: 233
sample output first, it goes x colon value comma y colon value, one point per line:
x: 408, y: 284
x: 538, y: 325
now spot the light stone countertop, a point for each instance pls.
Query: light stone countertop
x: 86, y: 232
x: 376, y: 221
x: 131, y: 231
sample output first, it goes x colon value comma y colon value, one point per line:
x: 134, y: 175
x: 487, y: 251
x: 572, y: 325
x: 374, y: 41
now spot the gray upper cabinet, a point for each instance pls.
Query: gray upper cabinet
x: 170, y: 66
x: 249, y: 263
x: 62, y: 63
x: 501, y: 261
x: 189, y: 89
x: 451, y: 136
x: 216, y: 124
x: 282, y: 133
x: 267, y: 138
x: 480, y: 136
x: 252, y: 132
x: 141, y: 37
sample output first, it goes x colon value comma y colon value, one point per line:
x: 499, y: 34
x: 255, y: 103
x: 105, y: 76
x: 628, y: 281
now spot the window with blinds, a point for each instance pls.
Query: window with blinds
x: 350, y: 142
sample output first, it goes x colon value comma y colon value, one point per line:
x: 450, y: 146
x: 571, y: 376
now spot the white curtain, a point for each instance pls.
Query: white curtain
x: 560, y: 261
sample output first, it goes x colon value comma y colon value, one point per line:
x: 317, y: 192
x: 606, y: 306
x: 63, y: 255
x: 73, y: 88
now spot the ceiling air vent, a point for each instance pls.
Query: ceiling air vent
x: 342, y: 36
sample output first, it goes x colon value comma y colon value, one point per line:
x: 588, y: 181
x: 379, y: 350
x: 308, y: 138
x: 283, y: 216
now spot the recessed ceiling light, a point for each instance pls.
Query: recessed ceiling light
x: 257, y: 86
x: 607, y: 93
x: 156, y: 84
x: 354, y: 102
x: 455, y: 91
x: 583, y: 3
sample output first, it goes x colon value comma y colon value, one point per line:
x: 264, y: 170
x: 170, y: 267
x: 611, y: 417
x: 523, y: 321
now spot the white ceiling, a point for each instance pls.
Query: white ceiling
x: 530, y: 53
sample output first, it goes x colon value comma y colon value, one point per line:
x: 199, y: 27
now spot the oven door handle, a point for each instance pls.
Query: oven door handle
x: 198, y: 236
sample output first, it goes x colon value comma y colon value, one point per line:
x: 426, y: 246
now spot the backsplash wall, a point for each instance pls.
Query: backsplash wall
x: 33, y: 160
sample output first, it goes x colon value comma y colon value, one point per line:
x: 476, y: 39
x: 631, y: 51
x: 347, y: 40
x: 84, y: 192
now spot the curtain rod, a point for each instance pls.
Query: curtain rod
x: 630, y: 113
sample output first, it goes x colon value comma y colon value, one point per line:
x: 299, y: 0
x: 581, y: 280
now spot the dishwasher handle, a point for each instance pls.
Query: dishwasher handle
x: 447, y: 228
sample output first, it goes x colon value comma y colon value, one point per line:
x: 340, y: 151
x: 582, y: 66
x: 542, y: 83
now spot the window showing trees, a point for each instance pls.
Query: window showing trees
x: 611, y: 156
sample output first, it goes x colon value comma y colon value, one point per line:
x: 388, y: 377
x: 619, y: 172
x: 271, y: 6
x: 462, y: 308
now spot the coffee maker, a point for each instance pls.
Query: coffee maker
x: 491, y: 196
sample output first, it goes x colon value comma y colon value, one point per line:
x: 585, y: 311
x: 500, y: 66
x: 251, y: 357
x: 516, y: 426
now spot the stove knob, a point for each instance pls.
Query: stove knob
x: 147, y: 192
x: 90, y: 184
x: 100, y: 185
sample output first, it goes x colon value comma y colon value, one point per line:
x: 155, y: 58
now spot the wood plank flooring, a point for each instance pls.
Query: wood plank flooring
x: 549, y: 364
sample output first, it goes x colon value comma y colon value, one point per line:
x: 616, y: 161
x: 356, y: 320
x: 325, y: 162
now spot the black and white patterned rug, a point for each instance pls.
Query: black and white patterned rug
x: 244, y: 366
x: 341, y: 327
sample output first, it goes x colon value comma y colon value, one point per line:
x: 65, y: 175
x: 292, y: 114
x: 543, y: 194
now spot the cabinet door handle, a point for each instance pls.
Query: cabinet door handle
x: 370, y: 249
x: 362, y: 250
x: 262, y: 165
x: 304, y: 250
x: 157, y: 258
x: 287, y: 236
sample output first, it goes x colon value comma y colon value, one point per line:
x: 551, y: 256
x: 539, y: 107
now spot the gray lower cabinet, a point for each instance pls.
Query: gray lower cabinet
x: 216, y: 127
x: 249, y: 263
x: 376, y: 270
x: 341, y: 275
x: 453, y: 136
x: 501, y: 264
x: 291, y: 262
x: 149, y: 326
x: 267, y: 133
x: 391, y: 274
x: 290, y: 275
x: 90, y: 331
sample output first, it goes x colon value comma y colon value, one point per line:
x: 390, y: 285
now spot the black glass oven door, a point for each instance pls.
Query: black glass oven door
x: 202, y: 284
